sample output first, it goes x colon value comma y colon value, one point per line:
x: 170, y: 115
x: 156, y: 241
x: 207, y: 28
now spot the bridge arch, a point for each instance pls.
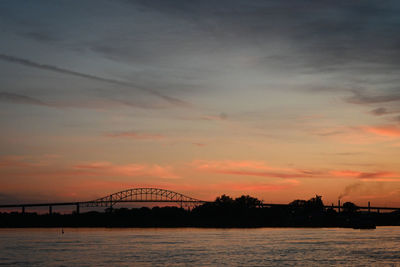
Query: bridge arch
x: 143, y: 195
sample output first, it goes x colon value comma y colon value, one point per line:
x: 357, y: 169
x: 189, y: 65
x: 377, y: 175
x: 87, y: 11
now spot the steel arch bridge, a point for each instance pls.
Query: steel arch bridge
x: 143, y: 195
x: 150, y: 195
x: 154, y: 195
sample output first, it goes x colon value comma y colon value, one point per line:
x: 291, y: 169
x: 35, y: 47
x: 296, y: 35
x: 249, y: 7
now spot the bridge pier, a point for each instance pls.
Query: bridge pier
x: 369, y: 207
x: 77, y: 208
x: 50, y: 210
x: 23, y: 209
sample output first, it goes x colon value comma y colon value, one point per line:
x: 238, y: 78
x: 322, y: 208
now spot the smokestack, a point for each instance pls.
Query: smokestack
x: 339, y: 205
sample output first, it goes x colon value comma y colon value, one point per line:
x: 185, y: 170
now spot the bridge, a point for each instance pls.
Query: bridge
x: 149, y: 195
x: 156, y: 195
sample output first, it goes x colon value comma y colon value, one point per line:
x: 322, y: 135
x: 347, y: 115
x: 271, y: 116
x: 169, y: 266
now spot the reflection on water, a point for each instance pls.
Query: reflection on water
x: 188, y: 246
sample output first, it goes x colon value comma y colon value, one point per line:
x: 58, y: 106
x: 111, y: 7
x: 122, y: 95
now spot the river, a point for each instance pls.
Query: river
x: 199, y: 247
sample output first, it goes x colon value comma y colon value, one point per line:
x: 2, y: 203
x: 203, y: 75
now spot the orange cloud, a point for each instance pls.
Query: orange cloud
x: 258, y: 168
x: 386, y: 130
x: 13, y: 161
x: 138, y: 136
x: 350, y: 135
x: 249, y: 168
x: 248, y: 187
x: 199, y: 144
x: 364, y: 175
x: 109, y: 168
x: 230, y: 164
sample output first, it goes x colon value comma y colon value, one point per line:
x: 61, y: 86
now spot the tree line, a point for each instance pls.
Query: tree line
x: 225, y: 211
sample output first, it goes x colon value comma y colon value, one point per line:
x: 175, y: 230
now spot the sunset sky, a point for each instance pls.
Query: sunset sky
x: 280, y: 100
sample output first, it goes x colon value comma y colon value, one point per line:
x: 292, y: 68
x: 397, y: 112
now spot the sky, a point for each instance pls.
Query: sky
x: 280, y: 100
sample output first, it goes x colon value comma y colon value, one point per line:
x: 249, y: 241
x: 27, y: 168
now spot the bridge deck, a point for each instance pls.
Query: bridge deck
x: 337, y: 207
x: 167, y: 201
x: 91, y: 203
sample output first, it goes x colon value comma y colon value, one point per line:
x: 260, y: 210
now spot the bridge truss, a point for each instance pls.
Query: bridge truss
x: 149, y: 195
x: 143, y: 195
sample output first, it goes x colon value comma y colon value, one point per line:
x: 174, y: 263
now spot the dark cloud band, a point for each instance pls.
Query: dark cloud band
x: 20, y: 99
x: 172, y: 100
x: 360, y: 98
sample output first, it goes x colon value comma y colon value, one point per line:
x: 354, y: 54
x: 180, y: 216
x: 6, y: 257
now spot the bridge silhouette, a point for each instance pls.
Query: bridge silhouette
x: 149, y: 195
x: 155, y: 195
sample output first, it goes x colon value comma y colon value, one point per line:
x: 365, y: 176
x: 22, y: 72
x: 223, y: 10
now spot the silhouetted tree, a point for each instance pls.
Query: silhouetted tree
x: 298, y: 203
x: 247, y: 202
x: 349, y: 207
x: 224, y: 201
x: 315, y: 203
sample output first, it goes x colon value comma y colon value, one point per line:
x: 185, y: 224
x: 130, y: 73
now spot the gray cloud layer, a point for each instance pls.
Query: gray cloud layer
x: 361, y: 98
x: 178, y: 46
x: 379, y: 111
x: 20, y: 99
x: 25, y: 62
x: 7, y: 97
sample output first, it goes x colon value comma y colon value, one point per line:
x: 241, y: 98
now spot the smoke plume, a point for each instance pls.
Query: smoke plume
x: 349, y: 189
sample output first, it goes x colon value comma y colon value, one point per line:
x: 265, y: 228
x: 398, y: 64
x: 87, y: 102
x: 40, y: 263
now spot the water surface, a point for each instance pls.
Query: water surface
x: 200, y: 247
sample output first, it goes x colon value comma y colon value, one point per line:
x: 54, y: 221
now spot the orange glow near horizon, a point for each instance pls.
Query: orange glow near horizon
x: 209, y: 179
